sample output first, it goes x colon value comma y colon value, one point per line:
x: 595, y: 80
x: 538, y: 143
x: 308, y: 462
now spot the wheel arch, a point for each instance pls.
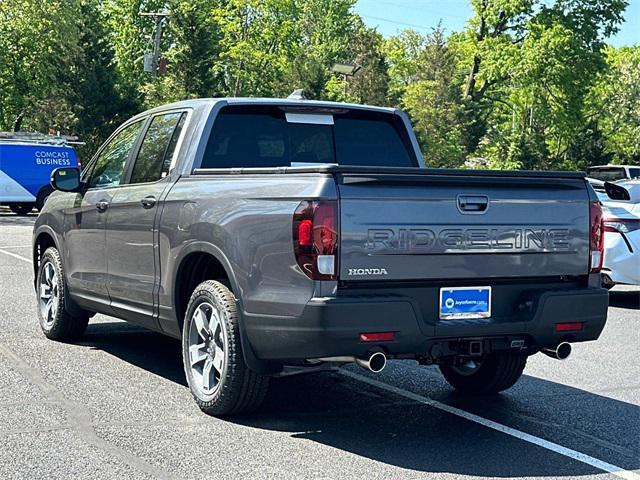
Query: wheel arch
x: 201, y: 261
x: 43, y: 238
x: 198, y: 262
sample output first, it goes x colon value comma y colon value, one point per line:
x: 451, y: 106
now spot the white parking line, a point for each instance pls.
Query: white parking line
x: 554, y: 447
x: 19, y: 257
x: 15, y: 246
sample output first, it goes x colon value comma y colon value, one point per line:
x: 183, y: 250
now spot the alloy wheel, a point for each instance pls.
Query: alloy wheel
x: 49, y: 294
x: 207, y: 348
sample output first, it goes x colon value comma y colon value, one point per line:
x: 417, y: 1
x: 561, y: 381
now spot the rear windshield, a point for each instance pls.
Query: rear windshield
x: 261, y: 136
x: 609, y: 174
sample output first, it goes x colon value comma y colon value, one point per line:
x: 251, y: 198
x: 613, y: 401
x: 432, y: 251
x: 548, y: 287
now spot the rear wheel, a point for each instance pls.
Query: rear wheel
x: 492, y: 373
x: 219, y: 379
x: 56, y: 322
x: 21, y: 208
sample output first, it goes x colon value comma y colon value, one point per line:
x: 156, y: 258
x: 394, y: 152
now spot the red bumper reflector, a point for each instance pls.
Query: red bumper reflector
x: 378, y: 337
x: 568, y: 327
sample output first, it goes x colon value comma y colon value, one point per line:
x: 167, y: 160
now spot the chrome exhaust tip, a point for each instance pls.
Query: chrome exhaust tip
x: 374, y: 362
x: 561, y: 352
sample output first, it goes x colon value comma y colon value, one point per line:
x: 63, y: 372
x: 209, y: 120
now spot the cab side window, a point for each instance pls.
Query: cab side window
x: 108, y: 170
x: 158, y: 146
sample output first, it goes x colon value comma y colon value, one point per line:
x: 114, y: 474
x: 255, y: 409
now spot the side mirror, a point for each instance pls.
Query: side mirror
x: 616, y: 192
x: 65, y: 179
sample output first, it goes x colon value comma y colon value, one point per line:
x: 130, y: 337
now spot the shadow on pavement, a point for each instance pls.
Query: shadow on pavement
x: 143, y: 348
x: 337, y: 411
x: 625, y: 299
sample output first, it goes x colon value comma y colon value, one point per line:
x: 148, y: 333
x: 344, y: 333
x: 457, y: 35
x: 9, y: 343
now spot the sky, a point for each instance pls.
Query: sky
x: 392, y: 16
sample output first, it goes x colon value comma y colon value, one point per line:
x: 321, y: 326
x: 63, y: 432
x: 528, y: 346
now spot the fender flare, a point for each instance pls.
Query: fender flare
x: 36, y: 233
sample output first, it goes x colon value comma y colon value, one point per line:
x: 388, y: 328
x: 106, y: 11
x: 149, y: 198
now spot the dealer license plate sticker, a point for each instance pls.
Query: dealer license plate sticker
x: 465, y: 302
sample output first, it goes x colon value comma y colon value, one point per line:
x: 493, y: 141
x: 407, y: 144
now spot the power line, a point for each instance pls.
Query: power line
x: 413, y: 25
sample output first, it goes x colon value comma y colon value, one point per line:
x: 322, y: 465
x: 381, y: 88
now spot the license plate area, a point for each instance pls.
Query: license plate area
x: 465, y: 302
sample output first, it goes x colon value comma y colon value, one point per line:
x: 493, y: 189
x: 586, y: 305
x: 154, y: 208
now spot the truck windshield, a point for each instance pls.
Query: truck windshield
x: 261, y: 136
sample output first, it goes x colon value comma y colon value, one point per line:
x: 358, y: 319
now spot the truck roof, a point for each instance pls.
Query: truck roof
x: 210, y: 102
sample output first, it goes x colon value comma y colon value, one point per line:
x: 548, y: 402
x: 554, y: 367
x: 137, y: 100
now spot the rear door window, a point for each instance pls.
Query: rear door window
x: 261, y: 136
x: 157, y: 149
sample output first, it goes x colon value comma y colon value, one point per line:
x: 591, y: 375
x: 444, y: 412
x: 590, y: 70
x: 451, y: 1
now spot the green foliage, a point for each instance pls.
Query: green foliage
x: 424, y: 83
x: 39, y: 42
x: 614, y: 104
x: 531, y: 66
x: 526, y: 84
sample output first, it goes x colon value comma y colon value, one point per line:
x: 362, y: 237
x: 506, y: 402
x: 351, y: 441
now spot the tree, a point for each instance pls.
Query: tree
x: 98, y: 114
x: 614, y: 104
x: 370, y: 83
x: 531, y: 66
x: 327, y: 33
x: 424, y: 81
x: 258, y: 38
x: 195, y: 45
x: 38, y: 44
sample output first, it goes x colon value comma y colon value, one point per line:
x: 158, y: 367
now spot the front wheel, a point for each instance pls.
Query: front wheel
x: 492, y: 373
x: 219, y: 379
x: 56, y: 322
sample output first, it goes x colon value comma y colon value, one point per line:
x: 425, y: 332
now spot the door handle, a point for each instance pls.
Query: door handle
x: 148, y: 202
x: 102, y: 205
x: 473, y: 203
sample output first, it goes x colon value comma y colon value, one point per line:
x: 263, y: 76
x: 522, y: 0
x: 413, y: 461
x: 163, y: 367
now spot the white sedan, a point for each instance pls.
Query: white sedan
x: 622, y: 236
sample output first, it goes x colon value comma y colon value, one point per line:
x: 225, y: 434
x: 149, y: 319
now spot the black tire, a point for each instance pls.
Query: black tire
x: 238, y: 389
x: 495, y: 373
x: 42, y: 197
x: 21, y: 209
x: 56, y: 322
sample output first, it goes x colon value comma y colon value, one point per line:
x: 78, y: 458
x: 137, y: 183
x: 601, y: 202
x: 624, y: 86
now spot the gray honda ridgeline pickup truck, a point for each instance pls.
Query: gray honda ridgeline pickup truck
x: 283, y: 236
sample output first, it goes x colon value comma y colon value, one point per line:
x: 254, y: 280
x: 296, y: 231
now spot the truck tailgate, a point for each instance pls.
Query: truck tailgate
x: 457, y: 226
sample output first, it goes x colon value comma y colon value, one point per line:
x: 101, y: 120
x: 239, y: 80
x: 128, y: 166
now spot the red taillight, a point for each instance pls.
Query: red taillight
x: 568, y: 327
x: 315, y: 238
x: 596, y: 238
x: 305, y: 233
x: 378, y: 337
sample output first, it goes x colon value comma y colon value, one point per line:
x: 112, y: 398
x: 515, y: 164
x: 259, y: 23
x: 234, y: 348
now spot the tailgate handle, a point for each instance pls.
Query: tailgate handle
x: 473, y: 203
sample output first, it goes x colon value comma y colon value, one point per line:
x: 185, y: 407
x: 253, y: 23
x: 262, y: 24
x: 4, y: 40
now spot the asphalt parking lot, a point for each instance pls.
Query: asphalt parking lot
x: 116, y: 405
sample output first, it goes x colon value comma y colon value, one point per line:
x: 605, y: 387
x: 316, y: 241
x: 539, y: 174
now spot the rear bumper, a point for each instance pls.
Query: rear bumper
x: 332, y: 326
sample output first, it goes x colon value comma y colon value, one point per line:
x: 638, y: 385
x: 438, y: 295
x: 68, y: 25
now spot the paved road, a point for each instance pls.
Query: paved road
x: 116, y: 406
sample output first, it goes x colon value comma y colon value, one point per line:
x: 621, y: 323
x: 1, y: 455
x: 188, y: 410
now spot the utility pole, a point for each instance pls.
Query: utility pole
x: 159, y: 18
